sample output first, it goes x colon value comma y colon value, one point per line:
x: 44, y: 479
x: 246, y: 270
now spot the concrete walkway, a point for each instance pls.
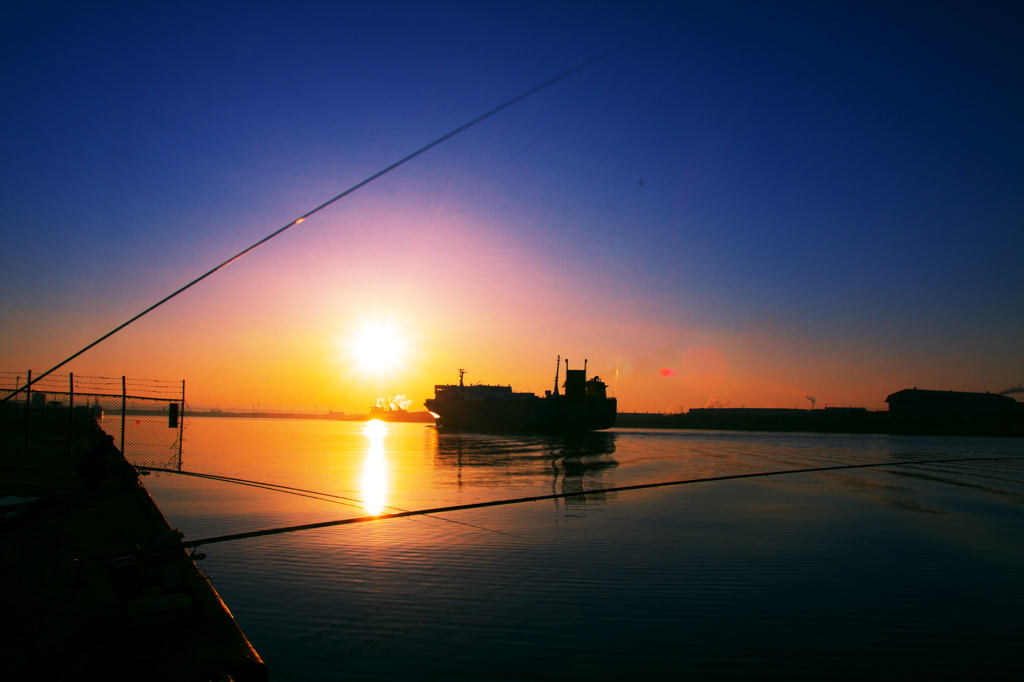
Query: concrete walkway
x: 64, y: 616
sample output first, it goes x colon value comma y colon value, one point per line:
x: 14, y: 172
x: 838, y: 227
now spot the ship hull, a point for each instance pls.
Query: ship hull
x: 550, y: 414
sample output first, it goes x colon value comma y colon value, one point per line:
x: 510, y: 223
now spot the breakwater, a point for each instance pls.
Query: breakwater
x: 152, y: 615
x: 840, y: 421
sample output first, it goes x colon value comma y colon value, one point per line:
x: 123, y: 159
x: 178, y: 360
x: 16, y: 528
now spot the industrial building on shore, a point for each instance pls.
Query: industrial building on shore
x: 911, y: 411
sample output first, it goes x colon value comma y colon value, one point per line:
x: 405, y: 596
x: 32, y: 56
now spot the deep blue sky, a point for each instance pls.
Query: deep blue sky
x: 833, y: 198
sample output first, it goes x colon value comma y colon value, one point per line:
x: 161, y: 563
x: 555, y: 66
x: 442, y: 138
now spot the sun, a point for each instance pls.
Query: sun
x: 378, y: 347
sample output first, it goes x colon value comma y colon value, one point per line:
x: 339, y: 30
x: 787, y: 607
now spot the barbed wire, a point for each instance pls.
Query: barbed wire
x: 173, y: 382
x: 10, y: 381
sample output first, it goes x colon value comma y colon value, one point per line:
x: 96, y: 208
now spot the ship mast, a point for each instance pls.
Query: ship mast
x: 461, y: 372
x: 558, y: 366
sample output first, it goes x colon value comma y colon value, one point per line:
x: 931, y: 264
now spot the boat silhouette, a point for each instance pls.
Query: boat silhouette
x: 583, y: 406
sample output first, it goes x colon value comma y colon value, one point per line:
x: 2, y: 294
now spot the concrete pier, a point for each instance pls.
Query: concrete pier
x: 69, y: 615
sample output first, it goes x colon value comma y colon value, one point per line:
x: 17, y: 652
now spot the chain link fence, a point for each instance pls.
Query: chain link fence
x: 145, y: 417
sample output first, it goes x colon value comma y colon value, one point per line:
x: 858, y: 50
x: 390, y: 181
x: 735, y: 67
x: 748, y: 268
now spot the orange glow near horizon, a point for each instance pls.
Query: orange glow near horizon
x: 399, y: 305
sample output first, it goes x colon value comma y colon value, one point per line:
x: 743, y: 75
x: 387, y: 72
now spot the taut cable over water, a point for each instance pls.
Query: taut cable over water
x: 540, y: 498
x: 312, y: 494
x: 465, y: 126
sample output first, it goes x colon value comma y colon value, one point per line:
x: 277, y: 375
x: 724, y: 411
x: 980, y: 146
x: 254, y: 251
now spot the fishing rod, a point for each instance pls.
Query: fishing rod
x: 444, y: 138
x: 540, y: 498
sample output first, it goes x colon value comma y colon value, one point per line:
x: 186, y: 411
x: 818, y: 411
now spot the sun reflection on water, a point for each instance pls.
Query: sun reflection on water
x: 375, y: 468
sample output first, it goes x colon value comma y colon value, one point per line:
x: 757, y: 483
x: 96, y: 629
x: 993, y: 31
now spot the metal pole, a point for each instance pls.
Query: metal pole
x: 17, y: 383
x: 28, y: 414
x: 71, y: 417
x: 124, y: 411
x: 181, y: 422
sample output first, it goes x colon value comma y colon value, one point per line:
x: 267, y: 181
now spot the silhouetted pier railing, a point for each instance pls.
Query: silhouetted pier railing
x: 145, y: 417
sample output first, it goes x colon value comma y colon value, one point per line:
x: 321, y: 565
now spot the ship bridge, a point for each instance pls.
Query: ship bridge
x: 478, y: 392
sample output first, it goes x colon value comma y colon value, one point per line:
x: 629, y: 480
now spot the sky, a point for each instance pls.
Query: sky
x: 832, y: 198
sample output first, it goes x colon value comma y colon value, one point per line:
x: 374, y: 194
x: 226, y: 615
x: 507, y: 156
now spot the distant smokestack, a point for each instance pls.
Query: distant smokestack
x: 814, y: 401
x: 1019, y: 388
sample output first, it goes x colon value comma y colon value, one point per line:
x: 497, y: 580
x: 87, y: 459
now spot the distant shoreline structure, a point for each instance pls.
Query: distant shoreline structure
x: 340, y: 416
x: 324, y: 416
x: 911, y: 411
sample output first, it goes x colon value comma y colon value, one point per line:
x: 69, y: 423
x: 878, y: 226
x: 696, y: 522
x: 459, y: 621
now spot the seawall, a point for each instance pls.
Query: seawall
x: 72, y: 615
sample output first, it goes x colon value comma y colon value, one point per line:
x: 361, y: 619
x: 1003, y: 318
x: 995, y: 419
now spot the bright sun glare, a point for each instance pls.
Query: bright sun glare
x: 378, y: 347
x: 375, y: 469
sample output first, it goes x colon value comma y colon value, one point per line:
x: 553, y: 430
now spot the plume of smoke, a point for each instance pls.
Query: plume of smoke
x: 1019, y: 388
x: 395, y: 403
x: 715, y: 403
x: 814, y: 401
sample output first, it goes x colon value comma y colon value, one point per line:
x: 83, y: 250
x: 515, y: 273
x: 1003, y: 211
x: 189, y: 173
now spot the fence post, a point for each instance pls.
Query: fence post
x: 28, y: 414
x: 14, y: 400
x: 124, y: 411
x: 181, y: 422
x: 71, y: 418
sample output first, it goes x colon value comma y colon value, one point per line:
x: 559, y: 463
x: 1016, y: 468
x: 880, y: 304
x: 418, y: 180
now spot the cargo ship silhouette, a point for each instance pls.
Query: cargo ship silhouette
x: 584, y: 406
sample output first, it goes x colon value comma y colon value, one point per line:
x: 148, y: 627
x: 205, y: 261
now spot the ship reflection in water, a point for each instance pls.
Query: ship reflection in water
x: 572, y: 462
x: 897, y: 572
x: 375, y: 471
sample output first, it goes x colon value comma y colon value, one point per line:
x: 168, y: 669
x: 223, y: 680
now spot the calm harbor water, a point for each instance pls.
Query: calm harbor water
x: 911, y: 572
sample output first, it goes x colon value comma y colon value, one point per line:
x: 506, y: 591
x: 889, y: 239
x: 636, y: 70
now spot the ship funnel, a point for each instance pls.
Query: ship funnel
x: 575, y: 382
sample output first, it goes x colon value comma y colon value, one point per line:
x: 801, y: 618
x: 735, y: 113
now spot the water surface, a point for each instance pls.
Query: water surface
x: 910, y: 572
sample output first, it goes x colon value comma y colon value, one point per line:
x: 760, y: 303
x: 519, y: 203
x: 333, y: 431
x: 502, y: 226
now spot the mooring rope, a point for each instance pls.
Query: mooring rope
x: 444, y: 138
x: 540, y: 498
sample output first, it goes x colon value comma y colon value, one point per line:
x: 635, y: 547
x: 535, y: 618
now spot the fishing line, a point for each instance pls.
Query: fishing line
x: 444, y: 138
x: 243, y: 481
x: 312, y: 494
x: 540, y: 498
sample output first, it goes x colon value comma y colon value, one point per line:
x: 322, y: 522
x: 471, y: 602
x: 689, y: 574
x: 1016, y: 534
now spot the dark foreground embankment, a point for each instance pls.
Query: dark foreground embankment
x: 71, y: 616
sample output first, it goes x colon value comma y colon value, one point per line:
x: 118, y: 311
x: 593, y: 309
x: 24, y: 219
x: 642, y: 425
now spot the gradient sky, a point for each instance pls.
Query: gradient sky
x: 832, y: 205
